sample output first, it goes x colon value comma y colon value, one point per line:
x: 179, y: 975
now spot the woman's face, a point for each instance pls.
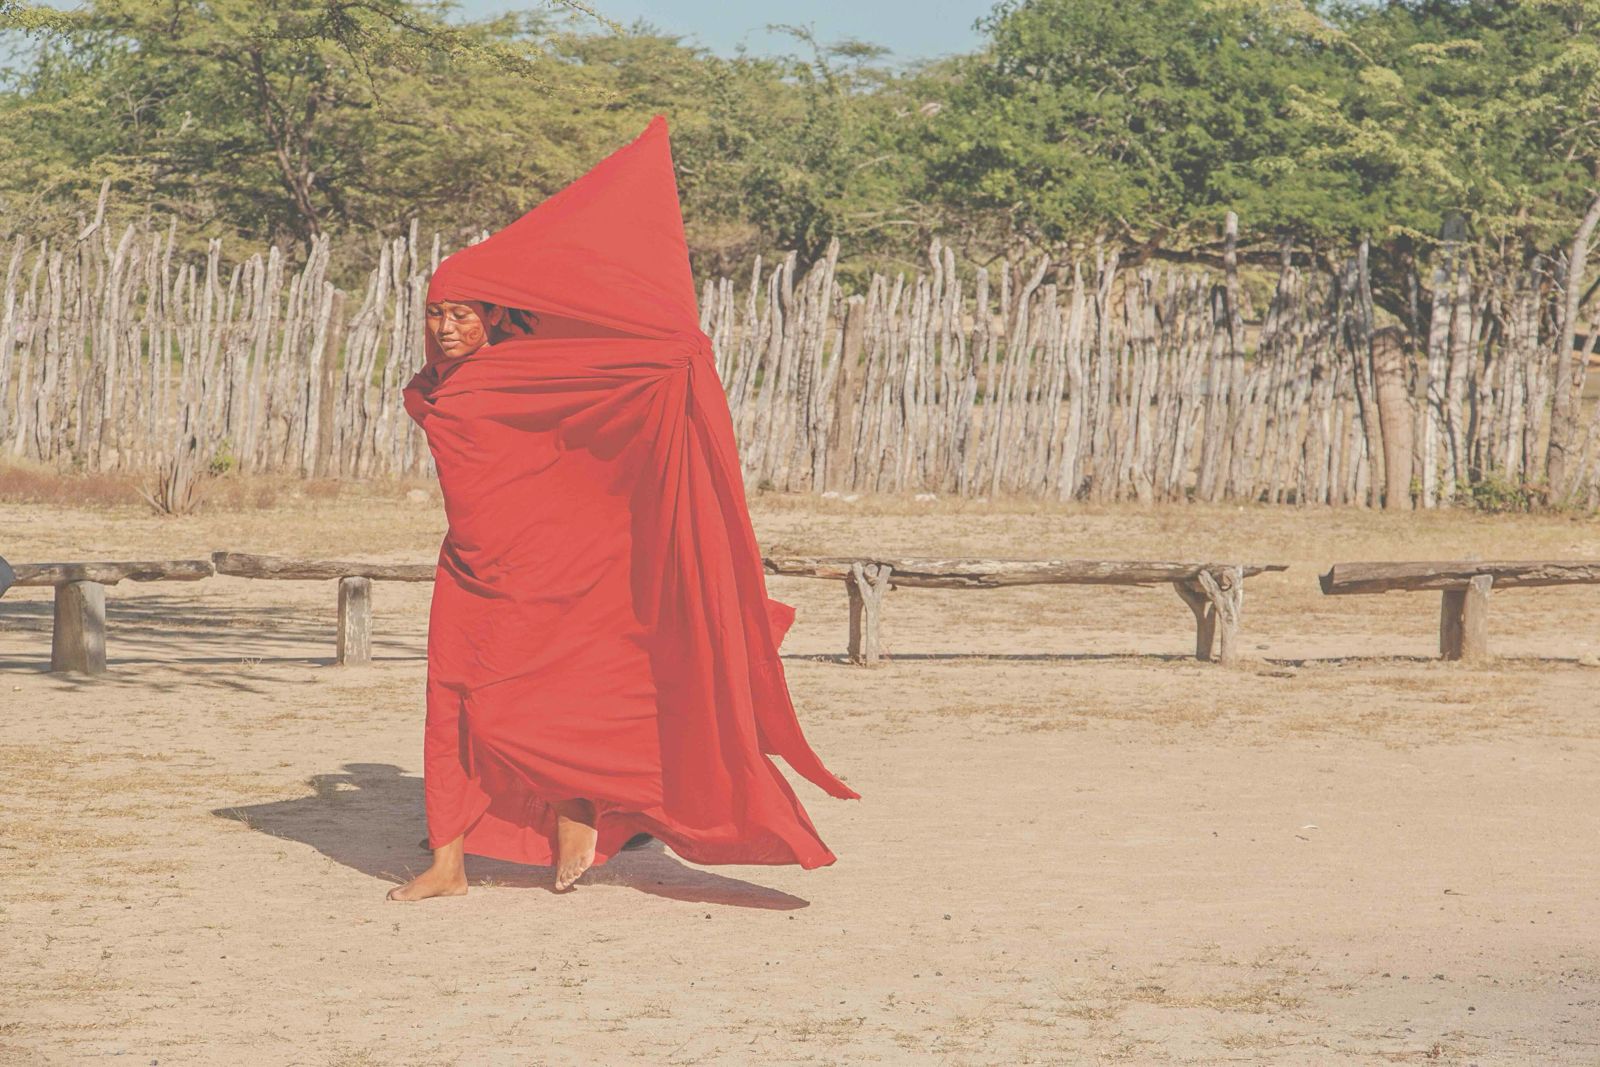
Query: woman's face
x: 461, y: 327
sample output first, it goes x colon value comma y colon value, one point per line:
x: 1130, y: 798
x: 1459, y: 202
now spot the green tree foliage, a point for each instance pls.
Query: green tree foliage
x: 1485, y: 110
x: 1490, y: 109
x: 824, y: 165
x: 1318, y: 121
x: 283, y: 119
x: 1141, y: 122
x: 278, y: 120
x: 773, y: 153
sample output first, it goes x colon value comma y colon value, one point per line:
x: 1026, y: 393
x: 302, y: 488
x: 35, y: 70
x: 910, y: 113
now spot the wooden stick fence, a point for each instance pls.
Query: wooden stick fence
x: 1063, y: 380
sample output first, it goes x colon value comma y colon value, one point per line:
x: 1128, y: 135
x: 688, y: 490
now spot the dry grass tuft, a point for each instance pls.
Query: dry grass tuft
x: 175, y: 487
x: 1259, y: 997
x: 31, y: 485
x: 183, y: 488
x: 356, y: 1058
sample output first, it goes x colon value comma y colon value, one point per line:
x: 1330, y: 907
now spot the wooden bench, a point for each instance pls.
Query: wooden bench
x: 1214, y: 592
x: 1465, y: 586
x: 78, y: 634
x: 353, y: 647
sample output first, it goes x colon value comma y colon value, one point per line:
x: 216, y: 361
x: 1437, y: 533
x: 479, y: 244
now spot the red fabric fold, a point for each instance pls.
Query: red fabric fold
x: 600, y: 624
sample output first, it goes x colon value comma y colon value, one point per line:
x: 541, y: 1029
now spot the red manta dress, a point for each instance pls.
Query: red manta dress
x: 600, y: 625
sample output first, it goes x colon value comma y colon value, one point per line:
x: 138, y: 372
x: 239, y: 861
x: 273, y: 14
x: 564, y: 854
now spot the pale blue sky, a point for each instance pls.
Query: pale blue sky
x: 910, y: 29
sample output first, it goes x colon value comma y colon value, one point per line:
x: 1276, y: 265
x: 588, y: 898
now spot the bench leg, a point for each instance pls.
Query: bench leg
x: 1205, y: 617
x: 1225, y: 591
x: 1464, y: 620
x: 866, y: 583
x: 355, y: 621
x: 78, y: 639
x: 1451, y: 602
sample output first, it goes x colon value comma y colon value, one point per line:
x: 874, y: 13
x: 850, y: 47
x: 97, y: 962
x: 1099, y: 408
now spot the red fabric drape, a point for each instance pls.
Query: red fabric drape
x: 600, y: 624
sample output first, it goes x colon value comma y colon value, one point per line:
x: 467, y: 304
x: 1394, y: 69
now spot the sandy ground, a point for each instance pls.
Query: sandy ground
x: 1074, y: 845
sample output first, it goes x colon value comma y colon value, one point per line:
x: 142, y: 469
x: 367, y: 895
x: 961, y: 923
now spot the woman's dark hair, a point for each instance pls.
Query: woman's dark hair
x: 519, y: 322
x: 523, y: 319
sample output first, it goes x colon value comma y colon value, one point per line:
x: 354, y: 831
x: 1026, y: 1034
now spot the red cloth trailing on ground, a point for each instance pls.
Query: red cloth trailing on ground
x: 600, y: 624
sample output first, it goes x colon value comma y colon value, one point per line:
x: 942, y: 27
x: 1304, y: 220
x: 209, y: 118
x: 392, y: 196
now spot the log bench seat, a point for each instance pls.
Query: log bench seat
x: 78, y: 632
x: 1464, y: 586
x: 1214, y: 592
x: 353, y: 646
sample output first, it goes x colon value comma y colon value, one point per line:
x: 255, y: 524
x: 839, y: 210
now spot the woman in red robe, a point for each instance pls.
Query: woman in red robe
x: 602, y: 653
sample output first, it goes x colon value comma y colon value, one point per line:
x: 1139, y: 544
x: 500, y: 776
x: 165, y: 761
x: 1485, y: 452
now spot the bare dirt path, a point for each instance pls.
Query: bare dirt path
x: 1073, y: 845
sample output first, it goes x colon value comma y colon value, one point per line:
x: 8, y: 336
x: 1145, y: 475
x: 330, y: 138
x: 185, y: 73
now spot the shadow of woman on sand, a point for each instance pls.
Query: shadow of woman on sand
x: 369, y: 816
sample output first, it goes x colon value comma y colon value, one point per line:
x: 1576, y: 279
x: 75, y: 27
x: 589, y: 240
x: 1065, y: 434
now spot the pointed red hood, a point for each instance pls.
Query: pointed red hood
x: 607, y: 249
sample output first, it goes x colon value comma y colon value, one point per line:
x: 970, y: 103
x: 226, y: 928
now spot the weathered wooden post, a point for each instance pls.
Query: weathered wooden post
x: 866, y: 584
x: 355, y: 622
x: 1475, y: 619
x: 1205, y: 617
x: 1225, y: 590
x: 1395, y: 415
x: 1450, y: 605
x: 846, y: 386
x: 78, y: 640
x: 324, y: 462
x: 1464, y: 620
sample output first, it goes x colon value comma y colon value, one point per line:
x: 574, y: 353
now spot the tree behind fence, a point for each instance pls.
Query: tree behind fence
x: 1084, y: 379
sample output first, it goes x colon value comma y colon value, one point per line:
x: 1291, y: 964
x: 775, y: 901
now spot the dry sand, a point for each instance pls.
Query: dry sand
x: 1074, y: 845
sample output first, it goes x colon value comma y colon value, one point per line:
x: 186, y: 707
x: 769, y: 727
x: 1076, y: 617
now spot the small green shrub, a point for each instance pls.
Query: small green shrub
x: 223, y: 460
x: 1495, y: 493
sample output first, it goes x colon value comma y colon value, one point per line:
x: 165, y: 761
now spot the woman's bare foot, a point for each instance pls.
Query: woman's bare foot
x: 575, y: 838
x: 446, y: 878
